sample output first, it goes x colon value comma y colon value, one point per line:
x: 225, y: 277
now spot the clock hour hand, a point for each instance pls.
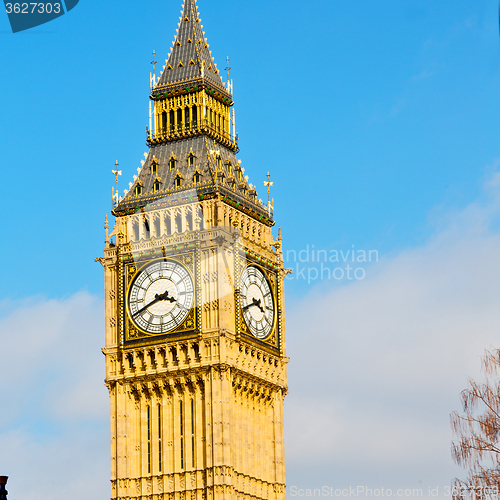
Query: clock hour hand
x: 164, y: 296
x: 255, y: 302
x: 158, y: 297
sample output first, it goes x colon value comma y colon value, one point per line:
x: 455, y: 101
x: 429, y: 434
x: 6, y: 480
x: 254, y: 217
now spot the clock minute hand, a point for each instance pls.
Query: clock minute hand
x: 158, y: 297
x: 250, y: 305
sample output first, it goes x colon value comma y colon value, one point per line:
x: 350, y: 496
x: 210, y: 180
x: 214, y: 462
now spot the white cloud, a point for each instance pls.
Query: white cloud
x: 377, y: 365
x: 54, y: 439
x: 59, y: 342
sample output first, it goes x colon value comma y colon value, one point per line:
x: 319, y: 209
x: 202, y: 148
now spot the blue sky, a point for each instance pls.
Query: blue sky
x: 368, y: 115
x: 378, y: 122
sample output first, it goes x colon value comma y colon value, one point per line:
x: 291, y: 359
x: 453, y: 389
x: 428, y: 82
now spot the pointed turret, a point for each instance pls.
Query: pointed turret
x: 190, y: 97
x: 193, y: 143
x: 190, y: 61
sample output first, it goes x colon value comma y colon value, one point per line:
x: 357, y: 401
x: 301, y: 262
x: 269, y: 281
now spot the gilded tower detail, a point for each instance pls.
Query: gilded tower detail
x: 194, y: 305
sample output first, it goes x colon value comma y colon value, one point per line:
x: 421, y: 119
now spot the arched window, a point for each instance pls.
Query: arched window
x: 195, y: 115
x: 154, y: 167
x: 186, y: 117
x: 164, y: 121
x: 181, y: 417
x: 168, y: 225
x: 178, y: 182
x: 148, y: 411
x: 172, y: 163
x: 157, y: 226
x: 160, y: 438
x: 189, y: 222
x: 178, y: 223
x: 197, y: 178
x: 172, y: 120
x: 191, y: 160
x: 179, y: 120
x: 192, y: 434
x: 145, y: 224
x: 156, y: 186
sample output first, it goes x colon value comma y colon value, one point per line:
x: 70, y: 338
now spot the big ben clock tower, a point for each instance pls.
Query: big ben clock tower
x: 194, y: 305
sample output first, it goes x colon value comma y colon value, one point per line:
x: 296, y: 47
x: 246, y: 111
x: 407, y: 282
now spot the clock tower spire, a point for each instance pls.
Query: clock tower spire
x: 195, y: 331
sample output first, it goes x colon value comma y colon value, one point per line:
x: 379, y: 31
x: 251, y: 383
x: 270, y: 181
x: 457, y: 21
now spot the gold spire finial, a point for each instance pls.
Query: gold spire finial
x: 268, y: 183
x: 153, y: 62
x: 227, y: 68
x: 106, y: 231
x: 116, y: 173
x: 152, y: 76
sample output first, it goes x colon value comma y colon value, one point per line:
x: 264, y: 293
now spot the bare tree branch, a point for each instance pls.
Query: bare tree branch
x: 477, y: 434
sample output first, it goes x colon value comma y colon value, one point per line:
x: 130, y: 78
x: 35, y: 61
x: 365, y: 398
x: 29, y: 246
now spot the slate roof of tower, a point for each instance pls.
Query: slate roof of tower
x: 190, y: 58
x: 205, y: 151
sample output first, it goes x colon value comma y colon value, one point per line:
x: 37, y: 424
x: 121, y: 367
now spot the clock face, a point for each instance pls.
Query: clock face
x: 257, y: 302
x: 160, y: 297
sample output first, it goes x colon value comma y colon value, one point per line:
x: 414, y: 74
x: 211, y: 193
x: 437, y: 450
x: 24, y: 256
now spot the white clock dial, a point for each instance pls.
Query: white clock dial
x: 160, y: 297
x: 257, y: 303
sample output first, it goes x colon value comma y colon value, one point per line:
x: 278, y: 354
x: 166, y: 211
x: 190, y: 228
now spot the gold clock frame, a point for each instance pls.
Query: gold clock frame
x: 272, y: 340
x: 133, y: 334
